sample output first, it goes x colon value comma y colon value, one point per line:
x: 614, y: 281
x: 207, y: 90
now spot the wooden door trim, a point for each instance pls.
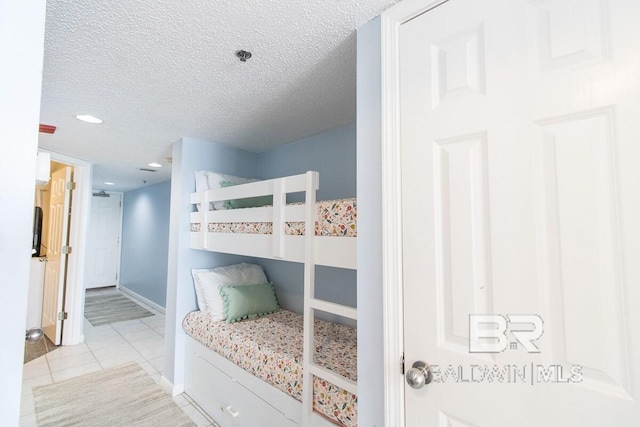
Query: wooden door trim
x: 392, y: 283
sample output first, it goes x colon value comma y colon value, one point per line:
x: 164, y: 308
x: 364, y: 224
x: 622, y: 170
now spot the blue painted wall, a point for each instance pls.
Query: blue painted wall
x: 191, y: 155
x: 332, y: 284
x: 145, y: 239
x: 333, y: 155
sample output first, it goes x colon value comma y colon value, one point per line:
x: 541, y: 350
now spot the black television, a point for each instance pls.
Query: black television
x: 37, y: 232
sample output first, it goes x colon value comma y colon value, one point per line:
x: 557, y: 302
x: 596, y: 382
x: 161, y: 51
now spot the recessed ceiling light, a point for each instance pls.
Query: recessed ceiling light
x: 154, y: 165
x: 88, y: 118
x: 109, y: 183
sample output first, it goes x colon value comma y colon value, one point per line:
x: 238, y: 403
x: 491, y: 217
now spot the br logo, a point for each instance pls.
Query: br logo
x: 489, y: 333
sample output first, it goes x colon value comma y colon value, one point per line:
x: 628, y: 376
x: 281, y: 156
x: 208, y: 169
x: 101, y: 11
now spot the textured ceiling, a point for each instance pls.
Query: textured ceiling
x: 158, y: 70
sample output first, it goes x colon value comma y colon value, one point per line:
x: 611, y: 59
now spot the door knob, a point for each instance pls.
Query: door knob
x: 419, y: 375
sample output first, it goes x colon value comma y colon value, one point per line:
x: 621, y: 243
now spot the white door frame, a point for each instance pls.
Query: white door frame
x: 392, y: 284
x: 120, y: 238
x: 72, y: 331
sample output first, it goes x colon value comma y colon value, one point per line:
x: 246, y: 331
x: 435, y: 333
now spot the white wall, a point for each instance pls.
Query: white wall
x: 369, y: 178
x: 21, y: 50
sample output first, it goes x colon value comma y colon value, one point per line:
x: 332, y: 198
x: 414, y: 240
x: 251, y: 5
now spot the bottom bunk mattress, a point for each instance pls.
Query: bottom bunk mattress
x: 270, y: 348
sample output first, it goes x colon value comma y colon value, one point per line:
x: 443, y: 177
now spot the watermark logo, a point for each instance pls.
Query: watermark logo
x: 495, y: 333
x: 508, y: 374
x: 490, y: 333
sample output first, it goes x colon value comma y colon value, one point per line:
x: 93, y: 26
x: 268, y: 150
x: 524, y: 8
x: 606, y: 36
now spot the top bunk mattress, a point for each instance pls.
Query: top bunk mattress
x: 333, y: 218
x: 270, y: 348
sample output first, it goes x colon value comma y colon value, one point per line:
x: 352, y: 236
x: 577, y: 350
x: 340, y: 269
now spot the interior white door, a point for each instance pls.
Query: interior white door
x: 103, y: 241
x: 520, y: 179
x: 55, y: 271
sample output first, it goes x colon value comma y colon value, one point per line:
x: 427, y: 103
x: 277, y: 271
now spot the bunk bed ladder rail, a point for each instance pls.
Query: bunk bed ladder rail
x: 311, y: 304
x: 279, y: 202
x: 309, y: 292
x: 206, y: 199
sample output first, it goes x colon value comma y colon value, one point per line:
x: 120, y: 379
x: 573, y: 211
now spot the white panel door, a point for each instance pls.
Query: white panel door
x: 55, y: 271
x: 520, y: 186
x: 103, y: 241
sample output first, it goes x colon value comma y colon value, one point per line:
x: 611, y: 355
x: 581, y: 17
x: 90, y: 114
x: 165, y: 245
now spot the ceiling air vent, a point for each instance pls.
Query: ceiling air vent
x: 47, y: 128
x: 147, y: 170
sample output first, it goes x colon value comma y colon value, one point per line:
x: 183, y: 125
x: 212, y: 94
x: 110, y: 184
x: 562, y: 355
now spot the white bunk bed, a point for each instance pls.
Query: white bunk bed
x: 231, y: 395
x: 333, y: 251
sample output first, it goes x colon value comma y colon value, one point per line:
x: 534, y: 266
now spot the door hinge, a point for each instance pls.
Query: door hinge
x: 71, y: 185
x: 63, y: 315
x: 116, y: 276
x: 402, y: 364
x: 66, y: 250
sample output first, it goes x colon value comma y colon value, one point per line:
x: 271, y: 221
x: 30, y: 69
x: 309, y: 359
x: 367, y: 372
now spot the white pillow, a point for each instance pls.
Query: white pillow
x: 207, y: 282
x: 201, y: 180
x: 215, y: 181
x: 206, y: 180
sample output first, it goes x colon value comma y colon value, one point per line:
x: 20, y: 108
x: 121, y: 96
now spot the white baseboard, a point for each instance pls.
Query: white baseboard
x: 78, y: 340
x: 142, y: 300
x: 170, y: 388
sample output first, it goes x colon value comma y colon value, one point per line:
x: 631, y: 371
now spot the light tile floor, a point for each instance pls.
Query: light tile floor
x: 140, y: 340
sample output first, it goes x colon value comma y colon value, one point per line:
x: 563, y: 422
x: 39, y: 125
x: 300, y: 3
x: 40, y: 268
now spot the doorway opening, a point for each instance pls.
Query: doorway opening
x: 71, y: 303
x: 50, y: 251
x: 103, y: 240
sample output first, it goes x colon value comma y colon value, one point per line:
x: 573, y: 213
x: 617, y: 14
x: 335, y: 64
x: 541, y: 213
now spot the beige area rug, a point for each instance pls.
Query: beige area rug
x: 120, y: 396
x: 102, y: 309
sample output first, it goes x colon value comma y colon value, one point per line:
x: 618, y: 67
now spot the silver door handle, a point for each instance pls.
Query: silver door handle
x: 419, y: 375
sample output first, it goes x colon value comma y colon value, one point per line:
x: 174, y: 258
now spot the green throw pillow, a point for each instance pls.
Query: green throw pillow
x: 248, y: 202
x: 248, y: 301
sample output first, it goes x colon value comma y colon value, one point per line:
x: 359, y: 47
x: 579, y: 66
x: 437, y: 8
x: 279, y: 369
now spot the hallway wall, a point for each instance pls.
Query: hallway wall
x: 145, y: 241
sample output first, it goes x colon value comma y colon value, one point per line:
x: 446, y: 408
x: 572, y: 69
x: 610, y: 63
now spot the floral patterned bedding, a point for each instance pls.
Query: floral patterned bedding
x: 270, y: 348
x: 334, y: 218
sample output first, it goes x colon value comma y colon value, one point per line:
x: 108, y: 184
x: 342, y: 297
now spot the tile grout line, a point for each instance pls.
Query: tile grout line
x: 135, y: 349
x: 202, y: 412
x: 92, y: 353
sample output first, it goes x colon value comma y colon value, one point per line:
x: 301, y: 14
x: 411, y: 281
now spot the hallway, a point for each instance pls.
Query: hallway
x: 139, y: 340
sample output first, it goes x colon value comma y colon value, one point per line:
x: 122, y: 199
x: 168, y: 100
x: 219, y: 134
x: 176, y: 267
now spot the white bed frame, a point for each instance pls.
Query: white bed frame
x: 328, y: 250
x: 230, y: 395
